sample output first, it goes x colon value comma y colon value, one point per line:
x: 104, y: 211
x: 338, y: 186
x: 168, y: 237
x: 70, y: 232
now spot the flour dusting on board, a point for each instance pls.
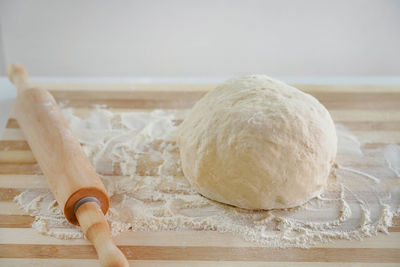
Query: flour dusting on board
x: 138, y: 161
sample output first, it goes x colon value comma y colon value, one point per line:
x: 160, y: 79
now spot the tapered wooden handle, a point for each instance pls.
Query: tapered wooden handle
x: 66, y: 167
x: 68, y: 171
x: 18, y: 76
x: 95, y: 227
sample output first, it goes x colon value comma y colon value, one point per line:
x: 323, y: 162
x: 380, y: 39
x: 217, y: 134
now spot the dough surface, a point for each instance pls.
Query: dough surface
x: 257, y: 143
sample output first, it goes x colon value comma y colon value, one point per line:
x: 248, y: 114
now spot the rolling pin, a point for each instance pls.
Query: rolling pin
x: 71, y: 178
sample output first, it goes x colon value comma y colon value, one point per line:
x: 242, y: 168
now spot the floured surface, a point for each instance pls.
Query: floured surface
x: 139, y: 162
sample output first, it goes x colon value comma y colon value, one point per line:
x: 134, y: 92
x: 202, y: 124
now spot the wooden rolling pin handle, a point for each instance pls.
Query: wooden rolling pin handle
x: 96, y: 229
x: 18, y: 76
x: 67, y: 169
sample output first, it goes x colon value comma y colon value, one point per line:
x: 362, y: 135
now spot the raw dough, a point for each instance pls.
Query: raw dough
x: 258, y: 143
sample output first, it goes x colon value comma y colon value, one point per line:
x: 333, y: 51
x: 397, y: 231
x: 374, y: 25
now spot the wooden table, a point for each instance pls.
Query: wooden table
x: 371, y: 112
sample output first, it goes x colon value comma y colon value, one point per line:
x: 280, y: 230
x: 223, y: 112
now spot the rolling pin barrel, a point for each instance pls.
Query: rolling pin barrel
x: 69, y: 173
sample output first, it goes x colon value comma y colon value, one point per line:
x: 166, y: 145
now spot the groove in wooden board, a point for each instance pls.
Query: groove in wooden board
x: 12, y: 123
x: 14, y: 145
x: 388, y: 137
x: 129, y: 103
x: 14, y: 183
x: 371, y: 137
x: 212, y: 238
x: 25, y: 221
x: 84, y: 112
x: 351, y: 125
x: 337, y: 115
x: 11, y: 208
x: 350, y: 161
x: 377, y: 255
x: 144, y: 95
x: 16, y: 221
x: 375, y: 126
x: 145, y: 163
x: 23, y: 168
x: 344, y: 96
x: 189, y: 96
x: 131, y: 86
x: 17, y: 211
x: 134, y: 99
x: 373, y: 145
x: 31, y: 181
x: 17, y: 160
x: 54, y: 262
x: 180, y: 100
x: 29, y: 169
x: 31, y: 236
x: 25, y: 163
x: 13, y: 135
x: 139, y: 263
x: 359, y: 101
x: 365, y: 115
x: 157, y: 263
x: 143, y: 168
x: 8, y: 194
x: 22, y: 181
x: 13, y: 156
x: 350, y: 88
x: 185, y: 238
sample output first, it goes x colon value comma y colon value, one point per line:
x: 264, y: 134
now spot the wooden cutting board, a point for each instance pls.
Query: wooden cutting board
x: 370, y: 112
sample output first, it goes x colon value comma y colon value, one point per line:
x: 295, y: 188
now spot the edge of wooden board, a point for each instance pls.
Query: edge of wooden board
x: 77, y: 86
x: 171, y: 263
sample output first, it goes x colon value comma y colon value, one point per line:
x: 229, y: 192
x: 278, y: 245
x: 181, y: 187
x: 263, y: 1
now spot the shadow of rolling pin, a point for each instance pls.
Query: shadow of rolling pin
x: 69, y: 173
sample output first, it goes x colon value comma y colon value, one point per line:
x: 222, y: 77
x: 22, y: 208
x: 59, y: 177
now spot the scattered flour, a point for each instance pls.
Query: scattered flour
x: 138, y: 161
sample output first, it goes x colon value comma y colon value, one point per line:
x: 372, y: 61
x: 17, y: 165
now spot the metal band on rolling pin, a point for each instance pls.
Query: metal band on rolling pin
x: 85, y: 200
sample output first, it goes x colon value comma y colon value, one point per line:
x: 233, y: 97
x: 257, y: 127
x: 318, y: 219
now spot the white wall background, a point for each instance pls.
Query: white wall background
x: 209, y: 38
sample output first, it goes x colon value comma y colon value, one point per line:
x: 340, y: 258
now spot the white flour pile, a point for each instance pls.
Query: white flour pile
x: 138, y: 160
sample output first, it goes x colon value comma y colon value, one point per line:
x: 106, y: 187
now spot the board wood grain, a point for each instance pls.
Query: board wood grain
x: 372, y: 112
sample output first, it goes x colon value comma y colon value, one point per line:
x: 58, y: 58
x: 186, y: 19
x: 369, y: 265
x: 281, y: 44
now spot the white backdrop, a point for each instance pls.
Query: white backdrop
x: 209, y: 38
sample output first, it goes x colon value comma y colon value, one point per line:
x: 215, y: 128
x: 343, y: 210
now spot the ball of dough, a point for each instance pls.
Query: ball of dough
x: 257, y: 143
